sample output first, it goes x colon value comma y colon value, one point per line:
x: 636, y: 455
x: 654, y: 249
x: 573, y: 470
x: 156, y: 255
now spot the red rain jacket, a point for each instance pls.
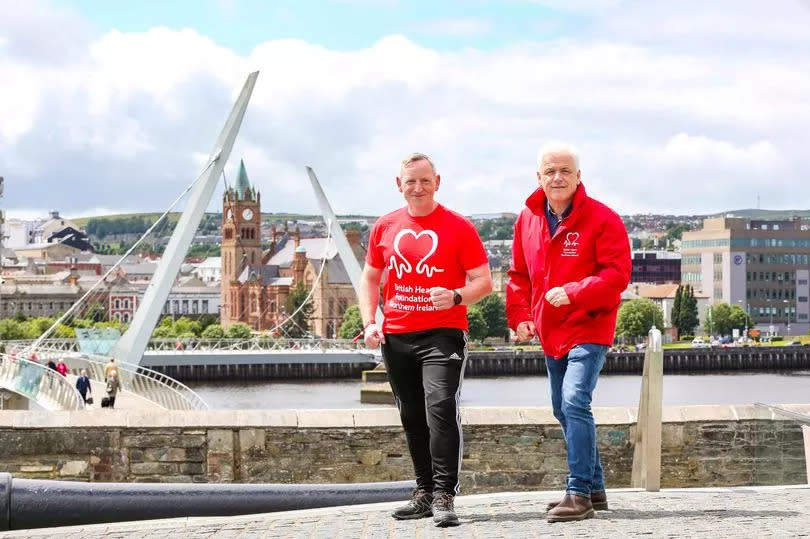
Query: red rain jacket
x: 589, y: 256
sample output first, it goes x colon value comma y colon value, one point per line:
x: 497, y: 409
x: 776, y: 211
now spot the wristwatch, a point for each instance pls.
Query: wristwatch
x: 456, y: 298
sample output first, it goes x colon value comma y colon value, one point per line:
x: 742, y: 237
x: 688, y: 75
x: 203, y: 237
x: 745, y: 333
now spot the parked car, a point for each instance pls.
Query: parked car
x: 698, y: 342
x: 794, y: 343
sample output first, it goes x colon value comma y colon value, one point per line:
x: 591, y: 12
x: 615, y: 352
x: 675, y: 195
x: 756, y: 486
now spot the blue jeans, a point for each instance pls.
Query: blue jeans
x: 573, y: 379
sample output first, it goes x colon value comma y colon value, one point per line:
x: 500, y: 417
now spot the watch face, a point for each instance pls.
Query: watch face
x: 247, y: 215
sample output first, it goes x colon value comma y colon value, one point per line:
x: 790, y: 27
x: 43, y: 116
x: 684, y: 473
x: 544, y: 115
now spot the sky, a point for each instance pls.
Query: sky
x: 676, y: 108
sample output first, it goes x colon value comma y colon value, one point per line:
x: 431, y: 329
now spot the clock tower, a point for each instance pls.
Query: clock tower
x: 241, y: 242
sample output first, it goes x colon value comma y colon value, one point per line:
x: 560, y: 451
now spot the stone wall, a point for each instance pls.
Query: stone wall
x: 505, y: 448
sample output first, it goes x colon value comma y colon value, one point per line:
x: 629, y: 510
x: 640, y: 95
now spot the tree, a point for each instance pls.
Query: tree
x: 164, y: 332
x: 213, y: 331
x: 675, y: 314
x: 688, y: 316
x: 740, y: 319
x: 494, y: 312
x: 10, y: 330
x: 239, y: 331
x: 298, y: 326
x: 352, y: 323
x: 637, y: 316
x: 95, y: 312
x: 718, y: 319
x: 184, y: 326
x: 478, y: 328
x: 207, y: 320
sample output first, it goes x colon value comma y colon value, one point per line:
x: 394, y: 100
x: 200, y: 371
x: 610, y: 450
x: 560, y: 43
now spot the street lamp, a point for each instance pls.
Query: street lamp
x: 787, y: 329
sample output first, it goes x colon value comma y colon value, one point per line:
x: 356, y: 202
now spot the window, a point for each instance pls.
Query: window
x: 117, y: 304
x: 802, y: 316
x: 125, y: 318
x: 205, y: 305
x: 802, y: 282
x: 185, y: 306
x: 718, y: 258
x: 802, y: 299
x: 343, y: 304
x: 176, y: 306
x: 195, y: 307
x: 126, y: 304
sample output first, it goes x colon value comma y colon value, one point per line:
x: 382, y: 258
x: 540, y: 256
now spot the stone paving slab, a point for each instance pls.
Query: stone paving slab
x: 755, y: 512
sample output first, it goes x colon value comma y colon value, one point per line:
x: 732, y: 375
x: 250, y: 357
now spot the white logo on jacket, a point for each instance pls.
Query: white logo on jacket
x: 571, y: 244
x: 421, y: 266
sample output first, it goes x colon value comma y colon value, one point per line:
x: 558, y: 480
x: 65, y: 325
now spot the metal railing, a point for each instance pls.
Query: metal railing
x: 45, y: 386
x: 164, y: 391
x: 217, y: 345
x: 153, y: 386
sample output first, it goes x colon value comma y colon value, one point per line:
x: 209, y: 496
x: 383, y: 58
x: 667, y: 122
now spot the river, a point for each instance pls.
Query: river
x: 612, y: 390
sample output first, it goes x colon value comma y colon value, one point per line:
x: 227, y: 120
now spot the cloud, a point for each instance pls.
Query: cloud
x: 121, y: 122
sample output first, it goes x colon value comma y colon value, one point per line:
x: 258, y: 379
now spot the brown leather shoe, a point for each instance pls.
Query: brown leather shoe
x: 572, y: 507
x: 598, y: 500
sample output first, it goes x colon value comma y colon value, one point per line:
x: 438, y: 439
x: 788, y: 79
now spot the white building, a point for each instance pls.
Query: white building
x: 209, y: 270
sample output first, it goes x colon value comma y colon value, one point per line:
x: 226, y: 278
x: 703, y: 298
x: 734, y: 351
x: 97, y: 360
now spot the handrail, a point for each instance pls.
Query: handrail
x: 152, y: 385
x: 801, y: 418
x: 47, y: 387
x: 201, y: 344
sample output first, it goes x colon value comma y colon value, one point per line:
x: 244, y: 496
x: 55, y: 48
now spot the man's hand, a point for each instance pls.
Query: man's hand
x: 373, y: 336
x: 557, y: 297
x: 526, y: 331
x: 442, y: 298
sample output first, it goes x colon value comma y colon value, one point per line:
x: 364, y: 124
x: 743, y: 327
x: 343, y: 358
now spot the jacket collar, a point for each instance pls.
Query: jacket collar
x: 537, y: 200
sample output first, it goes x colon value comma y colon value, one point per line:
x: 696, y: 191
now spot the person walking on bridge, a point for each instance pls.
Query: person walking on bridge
x: 433, y: 265
x: 570, y: 264
x: 83, y: 386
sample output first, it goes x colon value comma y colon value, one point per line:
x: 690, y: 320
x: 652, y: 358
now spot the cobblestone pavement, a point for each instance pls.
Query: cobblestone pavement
x: 727, y: 513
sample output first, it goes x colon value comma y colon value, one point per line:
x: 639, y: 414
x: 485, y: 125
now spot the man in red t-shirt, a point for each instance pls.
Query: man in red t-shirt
x: 433, y: 265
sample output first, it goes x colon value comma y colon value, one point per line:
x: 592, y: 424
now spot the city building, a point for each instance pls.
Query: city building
x: 209, y: 270
x: 664, y: 296
x: 657, y: 267
x: 761, y: 265
x: 256, y: 284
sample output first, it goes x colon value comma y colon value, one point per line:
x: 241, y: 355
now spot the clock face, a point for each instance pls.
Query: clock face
x: 247, y: 215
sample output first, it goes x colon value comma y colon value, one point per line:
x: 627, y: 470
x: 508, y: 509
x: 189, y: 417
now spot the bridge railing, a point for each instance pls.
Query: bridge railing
x: 47, y: 387
x: 200, y: 344
x: 154, y: 386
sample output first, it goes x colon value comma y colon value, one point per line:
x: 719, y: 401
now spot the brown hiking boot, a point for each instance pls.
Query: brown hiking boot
x: 572, y: 507
x: 598, y: 500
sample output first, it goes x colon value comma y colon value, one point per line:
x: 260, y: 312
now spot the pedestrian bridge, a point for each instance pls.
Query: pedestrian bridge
x: 38, y: 383
x: 32, y: 379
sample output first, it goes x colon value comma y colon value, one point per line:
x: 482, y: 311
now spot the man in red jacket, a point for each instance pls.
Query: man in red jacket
x: 570, y: 264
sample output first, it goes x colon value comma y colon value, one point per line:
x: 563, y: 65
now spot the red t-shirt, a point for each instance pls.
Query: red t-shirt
x: 418, y: 253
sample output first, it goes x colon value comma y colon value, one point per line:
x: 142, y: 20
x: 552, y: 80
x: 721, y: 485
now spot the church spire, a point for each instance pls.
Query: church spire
x: 242, y: 183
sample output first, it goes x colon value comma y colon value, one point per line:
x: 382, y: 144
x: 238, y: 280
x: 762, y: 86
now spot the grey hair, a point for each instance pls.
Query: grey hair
x: 412, y: 158
x: 558, y: 147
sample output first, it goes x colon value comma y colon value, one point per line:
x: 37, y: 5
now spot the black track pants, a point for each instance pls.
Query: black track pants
x: 425, y: 369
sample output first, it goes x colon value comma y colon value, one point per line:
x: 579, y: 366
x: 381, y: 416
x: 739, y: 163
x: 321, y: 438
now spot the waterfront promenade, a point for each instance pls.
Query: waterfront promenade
x: 775, y: 512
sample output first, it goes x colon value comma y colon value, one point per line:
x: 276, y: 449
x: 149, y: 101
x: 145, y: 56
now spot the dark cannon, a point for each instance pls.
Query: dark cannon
x: 34, y: 503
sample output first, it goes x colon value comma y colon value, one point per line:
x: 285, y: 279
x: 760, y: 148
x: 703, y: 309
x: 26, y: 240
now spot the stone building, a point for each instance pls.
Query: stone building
x: 256, y: 283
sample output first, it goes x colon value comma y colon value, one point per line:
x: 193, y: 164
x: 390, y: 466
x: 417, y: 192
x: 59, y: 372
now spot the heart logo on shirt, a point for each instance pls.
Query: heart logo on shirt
x: 409, y: 241
x: 571, y: 239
